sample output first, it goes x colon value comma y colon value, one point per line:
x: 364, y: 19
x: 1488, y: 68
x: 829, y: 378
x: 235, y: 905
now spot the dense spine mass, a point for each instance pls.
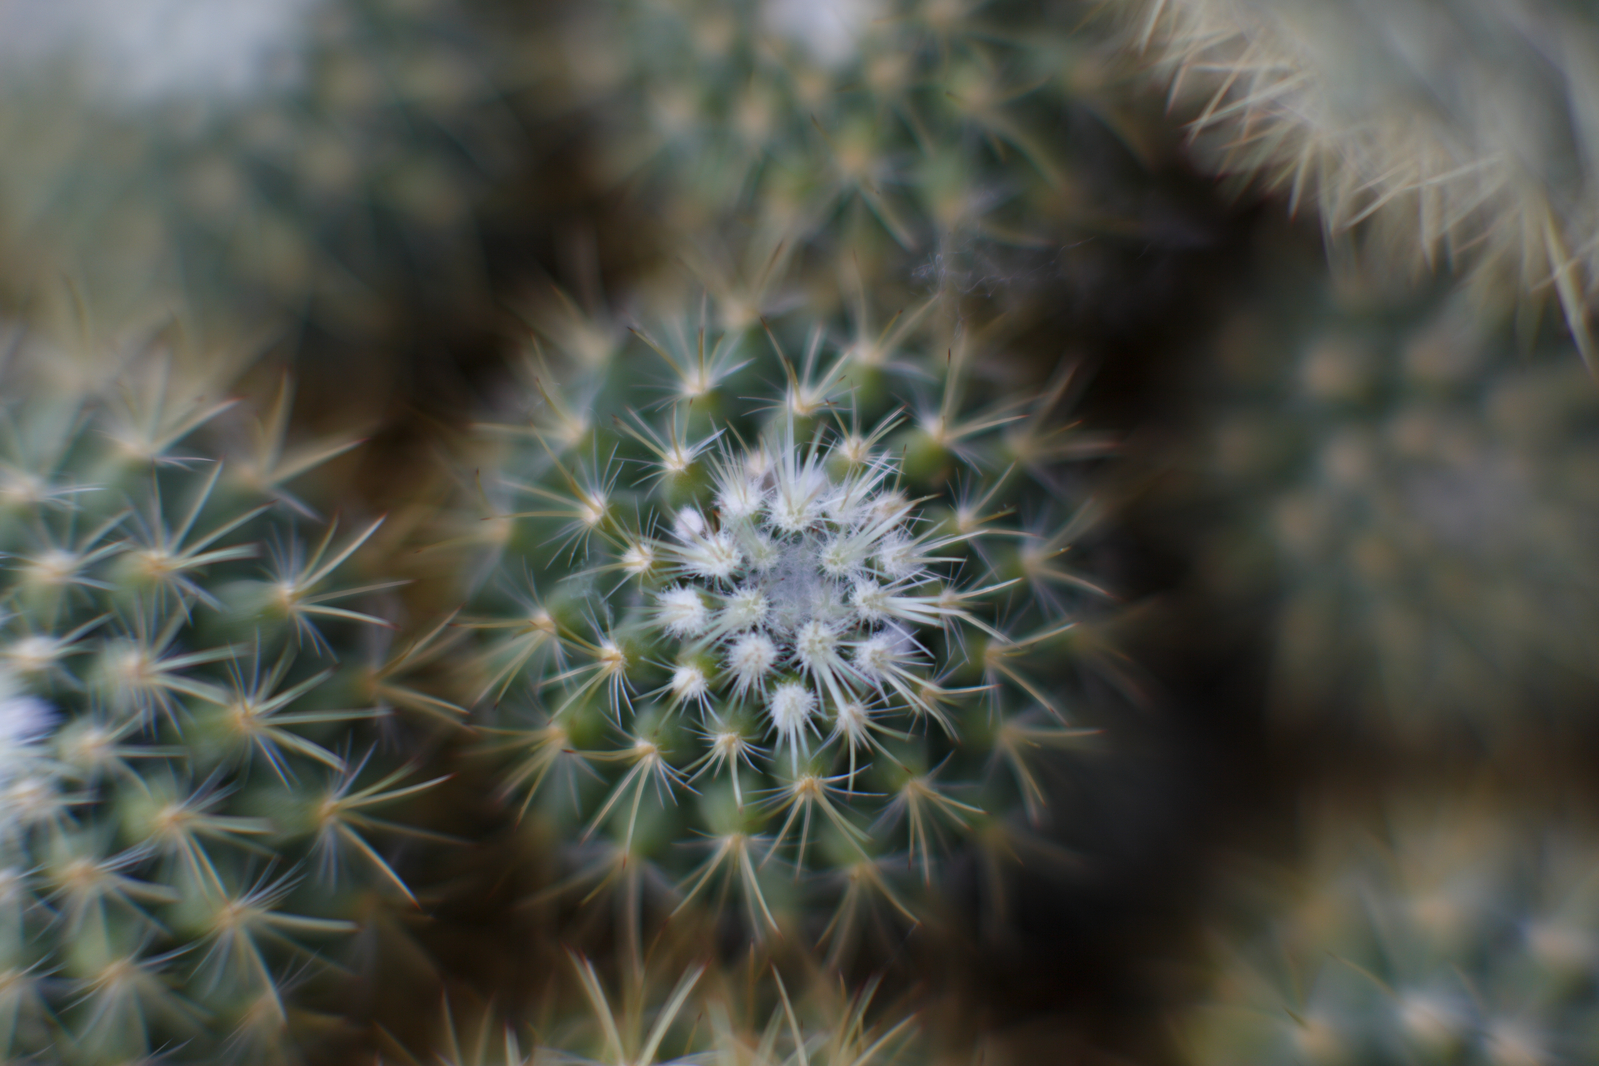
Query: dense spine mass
x: 1448, y: 131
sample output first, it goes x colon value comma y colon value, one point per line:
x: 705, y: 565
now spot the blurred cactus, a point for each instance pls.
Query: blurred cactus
x: 1445, y: 129
x: 935, y: 135
x: 1451, y: 935
x: 189, y: 721
x: 744, y: 615
x: 1413, y: 506
x: 281, y: 157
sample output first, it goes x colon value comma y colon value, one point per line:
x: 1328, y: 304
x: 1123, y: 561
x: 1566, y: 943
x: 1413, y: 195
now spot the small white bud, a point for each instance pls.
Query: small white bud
x: 880, y: 654
x: 816, y: 645
x: 715, y: 557
x: 739, y: 498
x: 853, y: 720
x: 897, y: 556
x: 638, y: 559
x: 870, y: 600
x: 33, y: 654
x: 839, y: 556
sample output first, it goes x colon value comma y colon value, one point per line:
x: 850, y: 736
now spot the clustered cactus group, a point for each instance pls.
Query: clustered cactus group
x: 740, y: 627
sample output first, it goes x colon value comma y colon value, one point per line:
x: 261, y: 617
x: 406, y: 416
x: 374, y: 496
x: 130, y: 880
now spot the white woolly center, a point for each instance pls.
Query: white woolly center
x: 818, y: 585
x: 798, y: 590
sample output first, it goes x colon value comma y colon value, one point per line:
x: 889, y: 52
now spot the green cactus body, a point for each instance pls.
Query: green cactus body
x: 258, y: 158
x: 1448, y: 129
x: 1414, y: 508
x: 1458, y: 938
x: 746, y: 639
x: 188, y: 770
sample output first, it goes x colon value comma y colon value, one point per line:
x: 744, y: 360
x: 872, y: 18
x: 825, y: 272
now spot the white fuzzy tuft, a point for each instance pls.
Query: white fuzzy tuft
x: 683, y: 612
x: 749, y: 660
x: 791, y: 707
x: 745, y: 609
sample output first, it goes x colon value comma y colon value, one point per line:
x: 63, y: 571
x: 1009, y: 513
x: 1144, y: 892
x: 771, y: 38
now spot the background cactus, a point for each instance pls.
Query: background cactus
x: 1443, y: 129
x: 1406, y: 500
x: 195, y: 791
x: 982, y: 144
x: 288, y: 159
x: 1453, y: 932
x: 775, y: 584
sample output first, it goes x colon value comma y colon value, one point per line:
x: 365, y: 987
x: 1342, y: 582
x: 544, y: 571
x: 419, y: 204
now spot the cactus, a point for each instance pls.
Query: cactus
x: 1450, y: 935
x: 193, y: 789
x: 265, y: 159
x: 921, y: 133
x: 726, y: 641
x: 1451, y: 129
x: 1409, y: 502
